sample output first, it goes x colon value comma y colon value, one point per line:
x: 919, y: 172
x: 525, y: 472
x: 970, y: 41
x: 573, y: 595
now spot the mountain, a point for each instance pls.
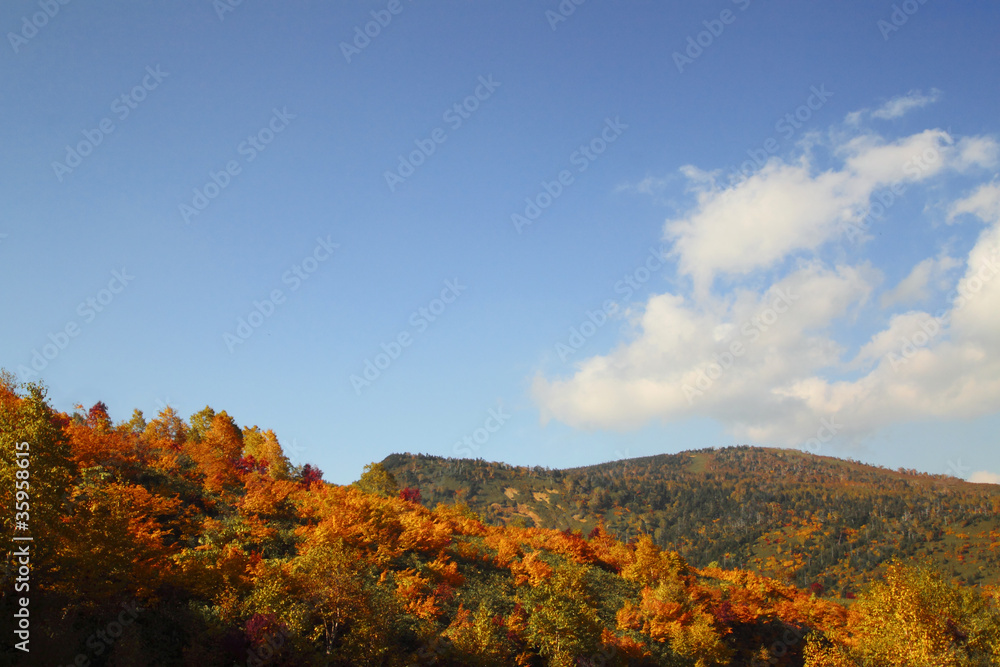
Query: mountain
x: 807, y: 519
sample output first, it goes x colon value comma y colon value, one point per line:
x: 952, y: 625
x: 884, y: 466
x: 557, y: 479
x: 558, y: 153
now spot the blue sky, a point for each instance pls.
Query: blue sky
x: 265, y: 163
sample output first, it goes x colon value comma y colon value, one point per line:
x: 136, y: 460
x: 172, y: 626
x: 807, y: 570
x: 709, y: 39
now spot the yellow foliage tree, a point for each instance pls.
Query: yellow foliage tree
x: 914, y: 618
x: 352, y: 620
x: 668, y: 615
x: 480, y: 638
x: 264, y: 446
x: 562, y: 621
x: 651, y: 565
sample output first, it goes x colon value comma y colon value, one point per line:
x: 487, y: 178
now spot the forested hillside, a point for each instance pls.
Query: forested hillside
x: 810, y: 520
x: 196, y: 542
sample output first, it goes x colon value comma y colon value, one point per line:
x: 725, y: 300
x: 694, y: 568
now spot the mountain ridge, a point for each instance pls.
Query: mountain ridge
x: 805, y: 518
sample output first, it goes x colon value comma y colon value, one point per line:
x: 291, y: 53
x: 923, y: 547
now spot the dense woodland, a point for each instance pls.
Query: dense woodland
x: 809, y: 520
x: 218, y: 551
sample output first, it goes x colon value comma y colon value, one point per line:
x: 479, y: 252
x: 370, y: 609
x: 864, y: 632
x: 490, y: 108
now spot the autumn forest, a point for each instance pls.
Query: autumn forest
x: 196, y: 541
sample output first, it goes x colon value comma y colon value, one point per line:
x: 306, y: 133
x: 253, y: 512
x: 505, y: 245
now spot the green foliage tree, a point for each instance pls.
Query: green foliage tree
x: 376, y: 479
x: 200, y: 422
x: 137, y: 424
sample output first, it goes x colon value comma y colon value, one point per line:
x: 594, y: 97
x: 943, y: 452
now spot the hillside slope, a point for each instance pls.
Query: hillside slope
x: 792, y: 515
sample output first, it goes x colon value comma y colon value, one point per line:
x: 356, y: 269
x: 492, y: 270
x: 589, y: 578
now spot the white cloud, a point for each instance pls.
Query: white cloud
x: 766, y: 361
x: 984, y: 203
x: 660, y: 372
x: 898, y: 106
x: 650, y: 185
x: 913, y: 288
x: 901, y: 326
x: 916, y: 287
x: 777, y: 390
x: 789, y: 207
x: 985, y: 477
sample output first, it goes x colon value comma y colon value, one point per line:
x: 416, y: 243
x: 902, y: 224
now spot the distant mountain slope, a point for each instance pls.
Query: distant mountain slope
x: 808, y: 519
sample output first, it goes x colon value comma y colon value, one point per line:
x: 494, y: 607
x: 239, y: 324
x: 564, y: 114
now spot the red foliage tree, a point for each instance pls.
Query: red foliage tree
x: 247, y: 464
x: 97, y: 416
x: 411, y: 493
x: 310, y: 475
